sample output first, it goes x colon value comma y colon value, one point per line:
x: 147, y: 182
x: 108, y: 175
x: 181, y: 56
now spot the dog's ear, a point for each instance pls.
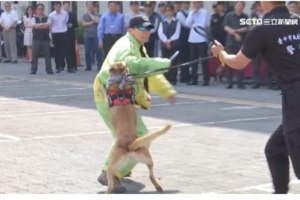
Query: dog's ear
x: 113, y: 70
x: 123, y: 68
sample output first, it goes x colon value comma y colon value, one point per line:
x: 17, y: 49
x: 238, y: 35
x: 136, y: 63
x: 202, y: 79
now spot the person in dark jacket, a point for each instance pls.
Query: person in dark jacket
x: 41, y: 40
x: 71, y: 37
x: 155, y: 20
x: 1, y: 11
x: 216, y: 22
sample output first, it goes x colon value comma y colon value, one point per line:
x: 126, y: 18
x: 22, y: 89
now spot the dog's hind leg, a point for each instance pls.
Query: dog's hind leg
x: 116, y: 160
x: 142, y: 155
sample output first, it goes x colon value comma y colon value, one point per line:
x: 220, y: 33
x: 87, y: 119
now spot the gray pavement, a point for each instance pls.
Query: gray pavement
x: 53, y: 140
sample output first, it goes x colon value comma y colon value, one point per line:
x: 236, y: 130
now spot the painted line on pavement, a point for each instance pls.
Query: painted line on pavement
x: 44, y: 113
x: 181, y: 103
x: 150, y: 128
x: 46, y: 96
x: 181, y: 95
x: 8, y: 137
x: 66, y: 89
x: 239, y: 108
x: 35, y: 85
x: 262, y: 187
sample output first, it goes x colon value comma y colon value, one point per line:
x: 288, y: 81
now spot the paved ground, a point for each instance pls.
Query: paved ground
x: 52, y: 140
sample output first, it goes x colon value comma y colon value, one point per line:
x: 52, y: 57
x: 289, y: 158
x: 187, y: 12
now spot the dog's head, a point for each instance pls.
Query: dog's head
x: 118, y: 68
x: 118, y: 77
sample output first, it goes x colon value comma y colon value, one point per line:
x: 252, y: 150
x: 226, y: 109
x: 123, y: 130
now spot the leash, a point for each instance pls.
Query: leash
x: 201, y: 31
x: 175, y: 66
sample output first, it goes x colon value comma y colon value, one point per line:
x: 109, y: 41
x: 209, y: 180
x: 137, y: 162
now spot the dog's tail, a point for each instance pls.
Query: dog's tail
x: 147, y: 139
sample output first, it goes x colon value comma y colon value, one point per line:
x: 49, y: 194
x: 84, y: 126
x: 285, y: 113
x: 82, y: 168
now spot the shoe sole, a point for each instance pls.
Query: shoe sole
x: 117, y: 189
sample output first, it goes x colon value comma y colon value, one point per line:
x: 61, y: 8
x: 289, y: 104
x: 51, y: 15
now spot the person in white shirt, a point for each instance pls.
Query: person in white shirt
x: 177, y: 6
x: 59, y: 19
x: 184, y: 55
x: 168, y: 33
x: 198, y: 44
x: 9, y: 20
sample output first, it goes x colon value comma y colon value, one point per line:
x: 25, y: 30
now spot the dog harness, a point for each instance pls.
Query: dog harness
x: 120, y: 98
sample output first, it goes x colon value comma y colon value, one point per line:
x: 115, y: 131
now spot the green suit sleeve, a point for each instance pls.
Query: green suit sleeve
x: 138, y: 65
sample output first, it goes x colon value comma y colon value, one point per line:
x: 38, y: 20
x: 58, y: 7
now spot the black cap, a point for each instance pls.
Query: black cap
x: 215, y: 4
x: 134, y: 3
x: 140, y: 20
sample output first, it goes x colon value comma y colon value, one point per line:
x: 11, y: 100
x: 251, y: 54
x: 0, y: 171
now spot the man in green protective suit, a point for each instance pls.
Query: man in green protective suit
x: 130, y: 49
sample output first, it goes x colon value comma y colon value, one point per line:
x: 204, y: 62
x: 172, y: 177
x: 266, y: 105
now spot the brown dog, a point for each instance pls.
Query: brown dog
x: 127, y: 144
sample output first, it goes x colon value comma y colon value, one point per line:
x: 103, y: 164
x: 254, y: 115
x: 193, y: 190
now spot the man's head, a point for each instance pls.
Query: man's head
x: 7, y: 6
x: 258, y: 7
x: 186, y: 5
x: 134, y: 6
x: 112, y: 6
x: 140, y: 27
x: 293, y: 6
x: 96, y: 8
x: 66, y: 5
x: 177, y: 6
x: 269, y: 5
x: 40, y: 9
x: 57, y: 6
x: 197, y: 4
x: 90, y: 6
x: 148, y: 8
x: 119, y: 7
x: 162, y: 8
x: 219, y: 6
x: 169, y: 11
x: 239, y: 6
x: 153, y: 4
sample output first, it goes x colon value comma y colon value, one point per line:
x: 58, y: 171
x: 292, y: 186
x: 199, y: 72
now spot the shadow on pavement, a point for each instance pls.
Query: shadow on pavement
x: 134, y: 187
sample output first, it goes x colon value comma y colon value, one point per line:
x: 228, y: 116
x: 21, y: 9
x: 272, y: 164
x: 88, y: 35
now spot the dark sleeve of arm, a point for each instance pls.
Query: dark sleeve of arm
x: 75, y: 25
x: 226, y: 20
x: 255, y: 42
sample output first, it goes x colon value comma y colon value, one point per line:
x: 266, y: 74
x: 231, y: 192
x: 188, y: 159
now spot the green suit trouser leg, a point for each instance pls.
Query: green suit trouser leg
x: 141, y: 131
